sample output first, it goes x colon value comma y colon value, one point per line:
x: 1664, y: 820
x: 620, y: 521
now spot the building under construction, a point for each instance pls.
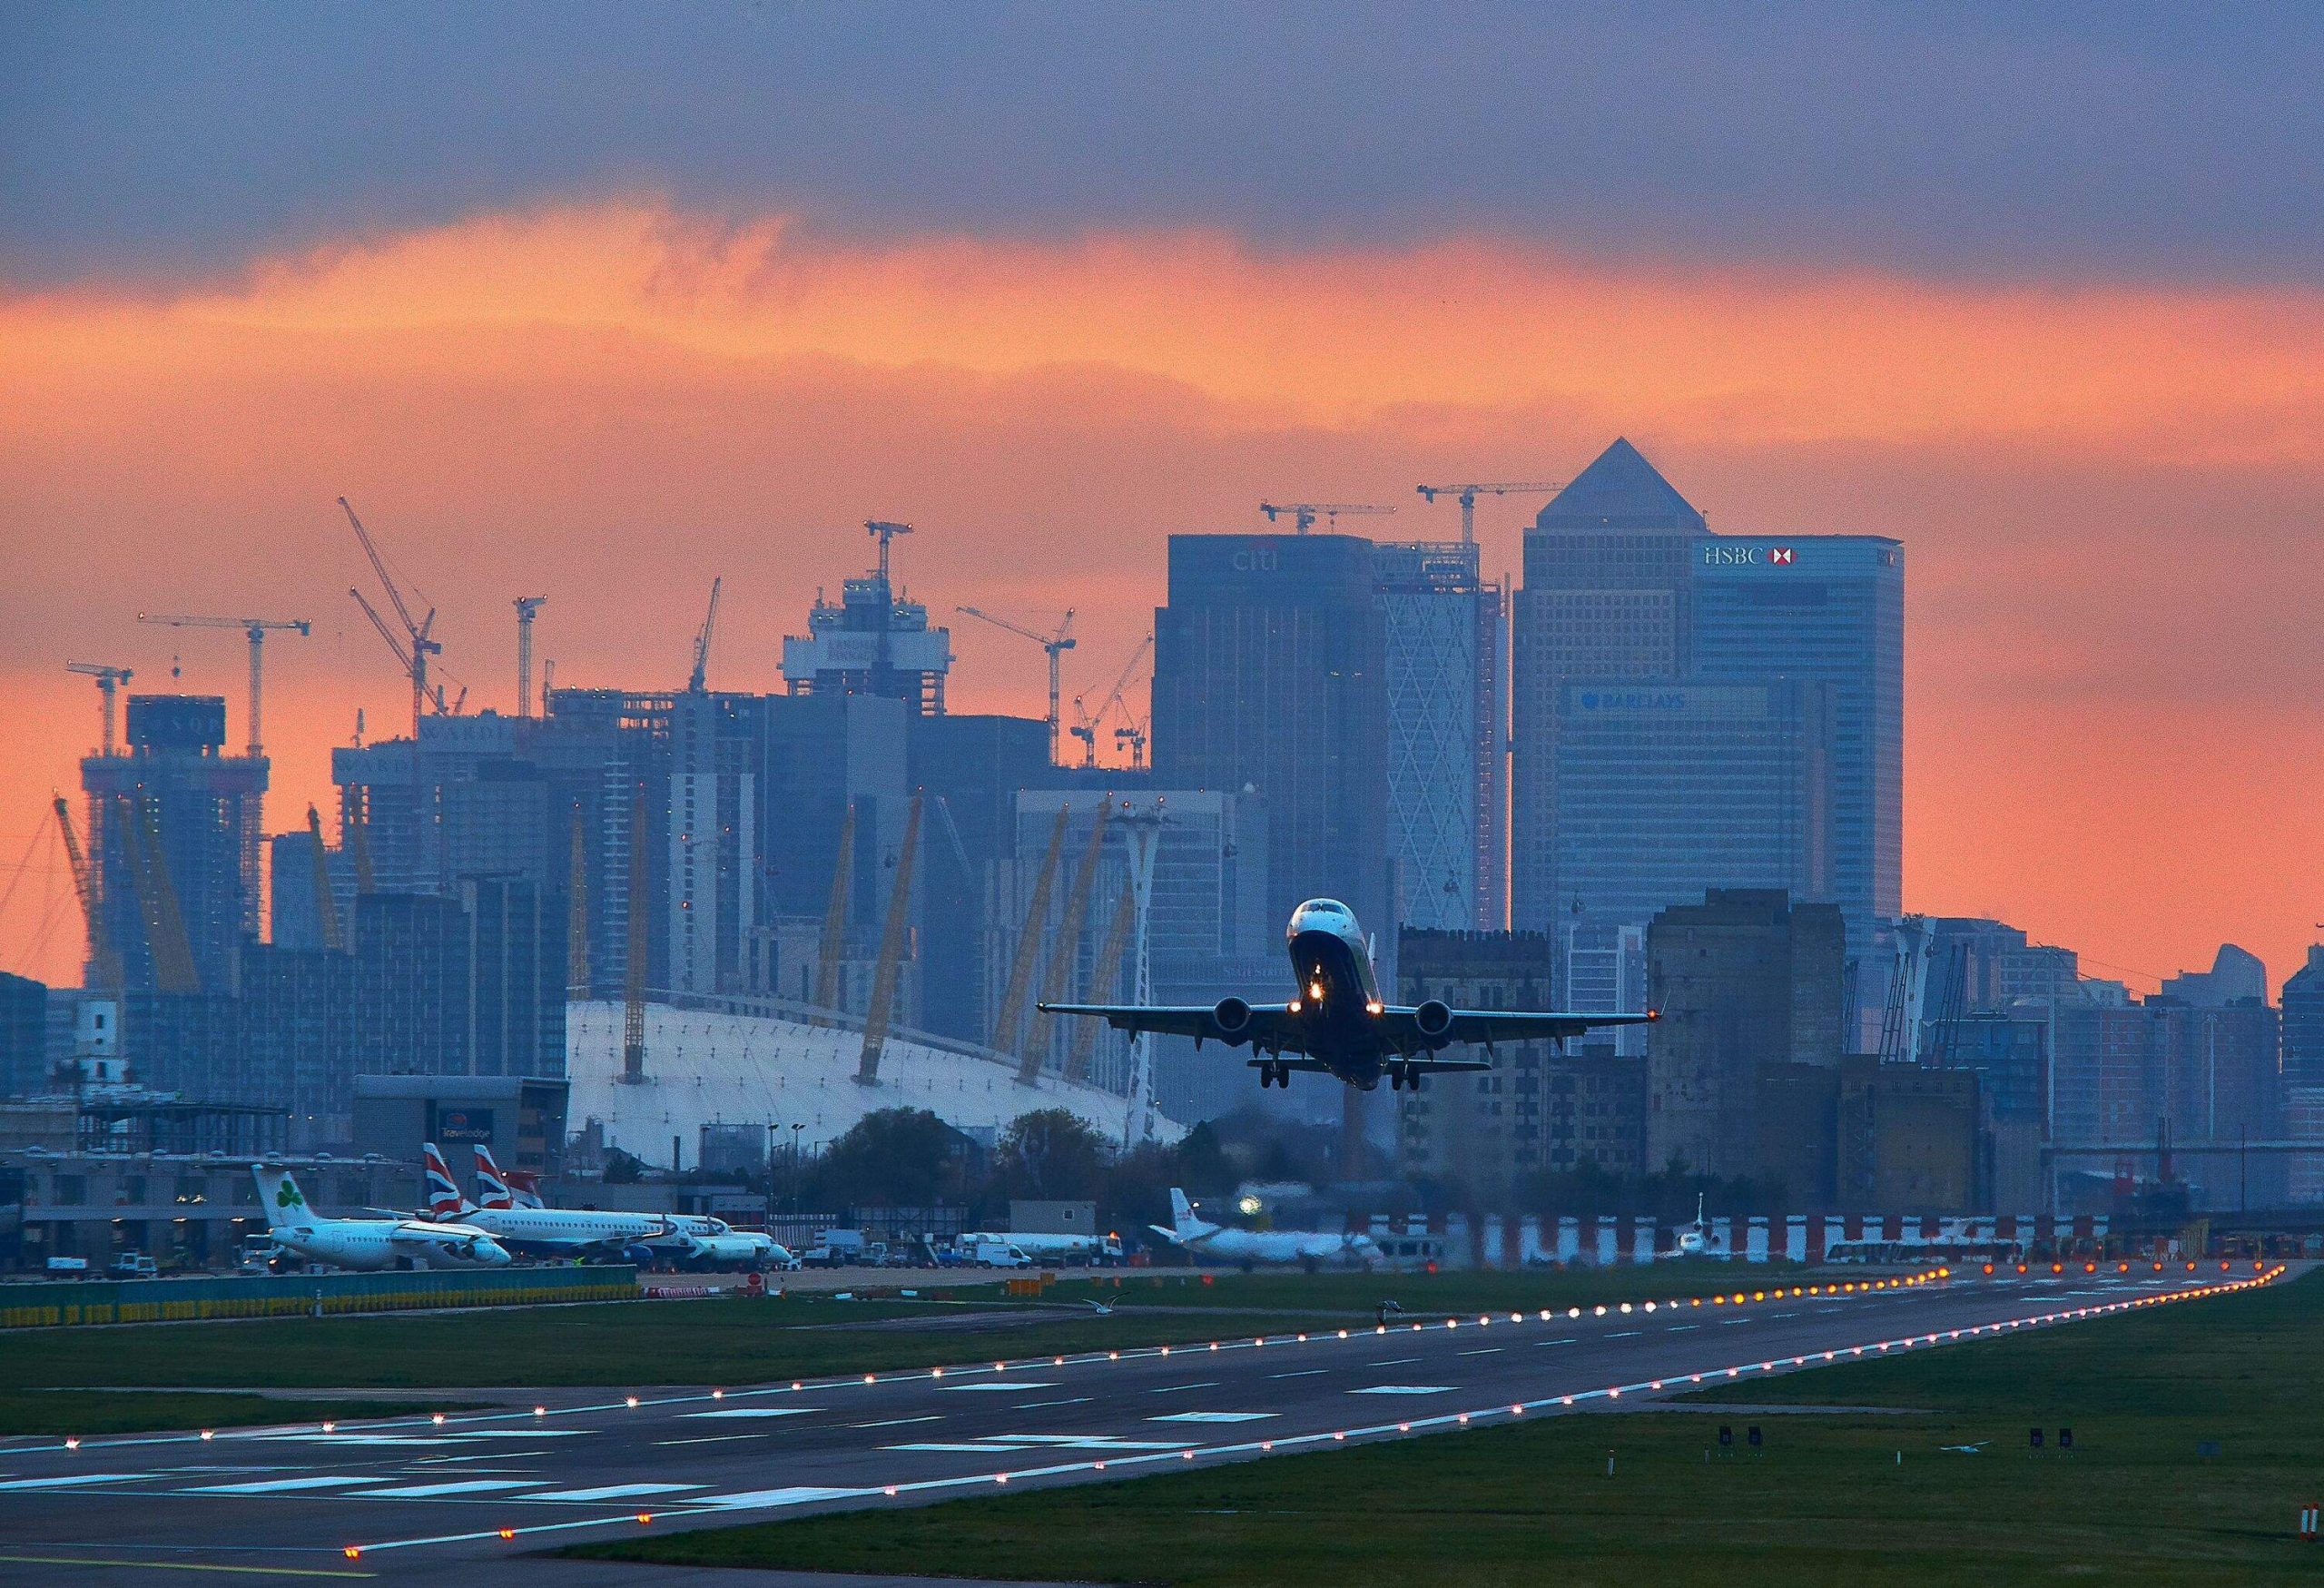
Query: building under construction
x: 173, y: 825
x: 871, y: 642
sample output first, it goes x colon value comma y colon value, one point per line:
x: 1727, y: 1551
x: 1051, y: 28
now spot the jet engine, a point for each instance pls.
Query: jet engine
x: 1434, y: 1017
x: 1232, y: 1017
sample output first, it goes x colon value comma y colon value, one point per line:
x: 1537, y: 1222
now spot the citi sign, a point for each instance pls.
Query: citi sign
x: 1734, y: 556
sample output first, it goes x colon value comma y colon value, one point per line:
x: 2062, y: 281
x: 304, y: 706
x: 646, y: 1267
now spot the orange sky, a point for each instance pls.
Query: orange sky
x: 2108, y: 494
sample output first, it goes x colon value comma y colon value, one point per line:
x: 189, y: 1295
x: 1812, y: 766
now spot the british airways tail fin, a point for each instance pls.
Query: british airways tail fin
x: 444, y: 1197
x: 490, y: 1182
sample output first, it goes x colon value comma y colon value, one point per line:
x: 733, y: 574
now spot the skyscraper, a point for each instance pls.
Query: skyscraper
x: 1755, y: 735
x: 174, y: 828
x: 1269, y: 674
x: 1446, y: 661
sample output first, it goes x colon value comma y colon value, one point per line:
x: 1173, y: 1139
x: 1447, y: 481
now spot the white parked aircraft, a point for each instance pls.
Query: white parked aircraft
x: 1216, y: 1243
x: 695, y: 1238
x: 548, y: 1231
x: 1336, y: 1020
x: 368, y: 1244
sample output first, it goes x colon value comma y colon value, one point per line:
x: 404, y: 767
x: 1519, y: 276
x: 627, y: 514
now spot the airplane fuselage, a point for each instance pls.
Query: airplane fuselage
x: 1336, y: 1000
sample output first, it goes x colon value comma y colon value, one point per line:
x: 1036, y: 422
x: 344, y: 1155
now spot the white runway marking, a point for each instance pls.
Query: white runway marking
x: 1404, y: 1389
x: 522, y: 1433
x: 1617, y: 1334
x: 1079, y: 1400
x: 1681, y: 1328
x: 1011, y: 1387
x: 1215, y: 1417
x: 757, y: 1498
x: 1400, y: 1361
x: 430, y: 1491
x: 760, y: 1412
x: 1302, y: 1372
x: 1495, y: 1350
x: 709, y: 1439
x: 987, y: 1449
x: 95, y: 1477
x: 1174, y: 1388
x: 900, y: 1422
x: 617, y: 1491
x: 282, y: 1485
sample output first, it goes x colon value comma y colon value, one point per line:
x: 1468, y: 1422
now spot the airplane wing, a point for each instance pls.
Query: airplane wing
x: 1200, y: 1021
x: 1492, y: 1025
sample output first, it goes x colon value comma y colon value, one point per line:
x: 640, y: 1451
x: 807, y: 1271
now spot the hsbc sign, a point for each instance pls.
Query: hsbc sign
x: 1737, y: 557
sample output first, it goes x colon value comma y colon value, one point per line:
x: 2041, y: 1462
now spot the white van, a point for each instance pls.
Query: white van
x: 989, y: 1253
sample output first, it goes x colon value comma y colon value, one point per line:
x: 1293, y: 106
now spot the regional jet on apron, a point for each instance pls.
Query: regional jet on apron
x: 1334, y: 1022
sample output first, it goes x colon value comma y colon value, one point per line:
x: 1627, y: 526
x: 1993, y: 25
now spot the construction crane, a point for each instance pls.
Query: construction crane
x: 1304, y: 514
x: 1086, y: 730
x: 1056, y: 645
x: 881, y: 1010
x: 414, y: 646
x: 109, y: 678
x: 325, y: 905
x: 255, y: 630
x: 1467, y: 495
x: 884, y: 531
x: 695, y: 681
x: 104, y: 965
x: 526, y: 606
x: 1132, y: 732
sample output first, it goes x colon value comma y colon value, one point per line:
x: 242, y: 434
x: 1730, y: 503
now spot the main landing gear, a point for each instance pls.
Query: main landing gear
x: 1403, y: 1077
x: 1275, y: 1074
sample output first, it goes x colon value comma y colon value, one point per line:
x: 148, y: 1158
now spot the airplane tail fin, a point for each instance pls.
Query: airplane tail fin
x: 1182, y: 1214
x: 524, y: 1186
x: 490, y: 1181
x: 280, y: 1195
x: 443, y: 1198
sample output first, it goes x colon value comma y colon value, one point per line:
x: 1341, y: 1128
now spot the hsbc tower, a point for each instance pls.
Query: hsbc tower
x: 1776, y: 758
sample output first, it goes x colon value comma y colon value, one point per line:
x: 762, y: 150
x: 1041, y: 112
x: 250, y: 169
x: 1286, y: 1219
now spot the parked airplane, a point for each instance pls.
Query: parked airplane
x: 693, y: 1238
x: 499, y: 1187
x: 1336, y: 1020
x: 368, y: 1244
x: 1217, y: 1244
x: 543, y: 1231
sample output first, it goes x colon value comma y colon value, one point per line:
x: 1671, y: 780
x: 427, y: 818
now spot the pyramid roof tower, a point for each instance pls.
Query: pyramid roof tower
x: 1620, y: 490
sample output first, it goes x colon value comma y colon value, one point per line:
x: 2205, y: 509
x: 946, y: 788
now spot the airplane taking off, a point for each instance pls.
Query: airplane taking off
x: 1217, y: 1243
x: 1336, y: 1020
x: 368, y: 1244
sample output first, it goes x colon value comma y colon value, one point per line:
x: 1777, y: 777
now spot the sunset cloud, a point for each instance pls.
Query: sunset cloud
x: 2108, y: 493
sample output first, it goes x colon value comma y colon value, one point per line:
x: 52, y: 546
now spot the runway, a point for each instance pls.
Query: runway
x: 393, y: 1497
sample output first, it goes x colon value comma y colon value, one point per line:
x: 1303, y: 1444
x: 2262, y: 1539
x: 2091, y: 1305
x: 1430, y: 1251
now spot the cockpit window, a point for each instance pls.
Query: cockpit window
x: 1327, y: 906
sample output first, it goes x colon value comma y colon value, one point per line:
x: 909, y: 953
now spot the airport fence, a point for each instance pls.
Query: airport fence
x: 63, y: 1304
